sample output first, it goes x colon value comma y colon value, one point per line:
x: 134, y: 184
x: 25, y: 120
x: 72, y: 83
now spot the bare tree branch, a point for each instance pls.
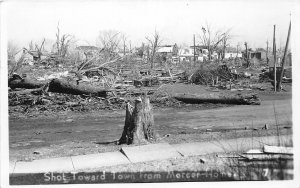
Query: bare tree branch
x: 154, y: 44
x: 212, y: 40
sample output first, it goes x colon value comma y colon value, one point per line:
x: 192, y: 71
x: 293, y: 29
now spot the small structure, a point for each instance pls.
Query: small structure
x: 259, y: 54
x: 31, y: 56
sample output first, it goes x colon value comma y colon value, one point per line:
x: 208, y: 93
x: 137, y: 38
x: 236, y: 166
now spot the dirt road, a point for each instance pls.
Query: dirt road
x: 72, y: 134
x: 269, y: 112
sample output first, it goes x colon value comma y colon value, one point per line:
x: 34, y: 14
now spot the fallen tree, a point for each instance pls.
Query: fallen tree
x: 38, y: 91
x: 219, y: 97
x: 17, y: 81
x: 55, y: 85
x: 70, y: 87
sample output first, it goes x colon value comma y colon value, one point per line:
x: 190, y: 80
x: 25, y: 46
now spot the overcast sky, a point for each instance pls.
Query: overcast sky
x: 176, y: 21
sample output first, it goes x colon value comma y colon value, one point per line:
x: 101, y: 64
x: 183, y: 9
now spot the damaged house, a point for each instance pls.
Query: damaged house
x: 31, y: 56
x: 187, y: 53
x: 231, y: 53
x: 168, y: 52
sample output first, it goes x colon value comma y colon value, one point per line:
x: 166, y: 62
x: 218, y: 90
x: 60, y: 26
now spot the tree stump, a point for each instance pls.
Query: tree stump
x: 139, y: 123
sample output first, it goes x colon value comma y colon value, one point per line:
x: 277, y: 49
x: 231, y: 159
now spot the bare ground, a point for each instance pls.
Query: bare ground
x: 69, y: 133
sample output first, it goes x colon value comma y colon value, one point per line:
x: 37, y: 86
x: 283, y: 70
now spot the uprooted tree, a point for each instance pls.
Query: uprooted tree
x: 139, y: 123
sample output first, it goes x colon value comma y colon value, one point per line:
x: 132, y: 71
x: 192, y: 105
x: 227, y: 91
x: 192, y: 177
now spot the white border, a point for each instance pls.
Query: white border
x: 296, y: 92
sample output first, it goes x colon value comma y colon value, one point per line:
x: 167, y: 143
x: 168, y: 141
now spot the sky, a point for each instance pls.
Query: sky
x: 176, y: 21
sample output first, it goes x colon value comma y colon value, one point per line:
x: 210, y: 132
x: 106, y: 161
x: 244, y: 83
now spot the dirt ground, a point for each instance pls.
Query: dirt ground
x: 70, y: 133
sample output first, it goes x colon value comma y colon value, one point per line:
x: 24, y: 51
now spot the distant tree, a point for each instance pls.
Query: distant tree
x: 39, y: 49
x: 225, y: 43
x: 154, y: 43
x: 63, y: 42
x: 109, y: 42
x: 213, y: 39
x: 141, y: 50
x: 124, y: 40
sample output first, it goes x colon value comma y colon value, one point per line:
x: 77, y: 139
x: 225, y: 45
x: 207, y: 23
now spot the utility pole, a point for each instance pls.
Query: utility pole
x: 237, y: 50
x: 275, y: 59
x: 246, y: 45
x: 284, y: 57
x: 224, y: 48
x: 267, y: 52
x: 194, y: 51
x: 124, y: 45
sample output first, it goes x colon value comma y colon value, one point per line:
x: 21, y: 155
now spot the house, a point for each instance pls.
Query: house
x: 23, y: 53
x: 168, y: 52
x: 31, y: 56
x: 187, y: 54
x: 231, y: 54
x: 259, y: 54
x: 200, y: 49
x: 86, y: 52
x: 201, y: 52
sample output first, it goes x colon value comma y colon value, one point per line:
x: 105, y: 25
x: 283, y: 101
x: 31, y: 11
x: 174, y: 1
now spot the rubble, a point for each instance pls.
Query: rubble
x: 108, y: 84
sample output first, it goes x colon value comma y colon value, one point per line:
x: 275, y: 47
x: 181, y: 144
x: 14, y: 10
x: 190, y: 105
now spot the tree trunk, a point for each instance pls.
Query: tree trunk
x: 139, y: 123
x: 219, y: 97
x: 69, y: 87
x: 57, y: 86
x: 26, y: 83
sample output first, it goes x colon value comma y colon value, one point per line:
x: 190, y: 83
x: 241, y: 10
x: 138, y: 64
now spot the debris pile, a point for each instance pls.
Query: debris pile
x: 210, y: 74
x: 98, y: 83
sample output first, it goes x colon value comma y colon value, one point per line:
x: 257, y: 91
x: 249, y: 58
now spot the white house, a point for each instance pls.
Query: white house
x: 29, y: 56
x: 229, y: 55
x: 165, y: 49
x: 187, y: 54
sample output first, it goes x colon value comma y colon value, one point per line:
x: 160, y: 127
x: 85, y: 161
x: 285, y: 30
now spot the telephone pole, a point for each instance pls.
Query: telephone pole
x: 246, y: 46
x: 124, y: 46
x: 267, y: 52
x: 237, y: 50
x: 275, y: 59
x: 284, y: 57
x: 194, y: 51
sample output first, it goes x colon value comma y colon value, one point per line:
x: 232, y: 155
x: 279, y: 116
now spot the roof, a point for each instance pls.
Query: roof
x: 87, y: 48
x: 199, y: 46
x: 167, y: 49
